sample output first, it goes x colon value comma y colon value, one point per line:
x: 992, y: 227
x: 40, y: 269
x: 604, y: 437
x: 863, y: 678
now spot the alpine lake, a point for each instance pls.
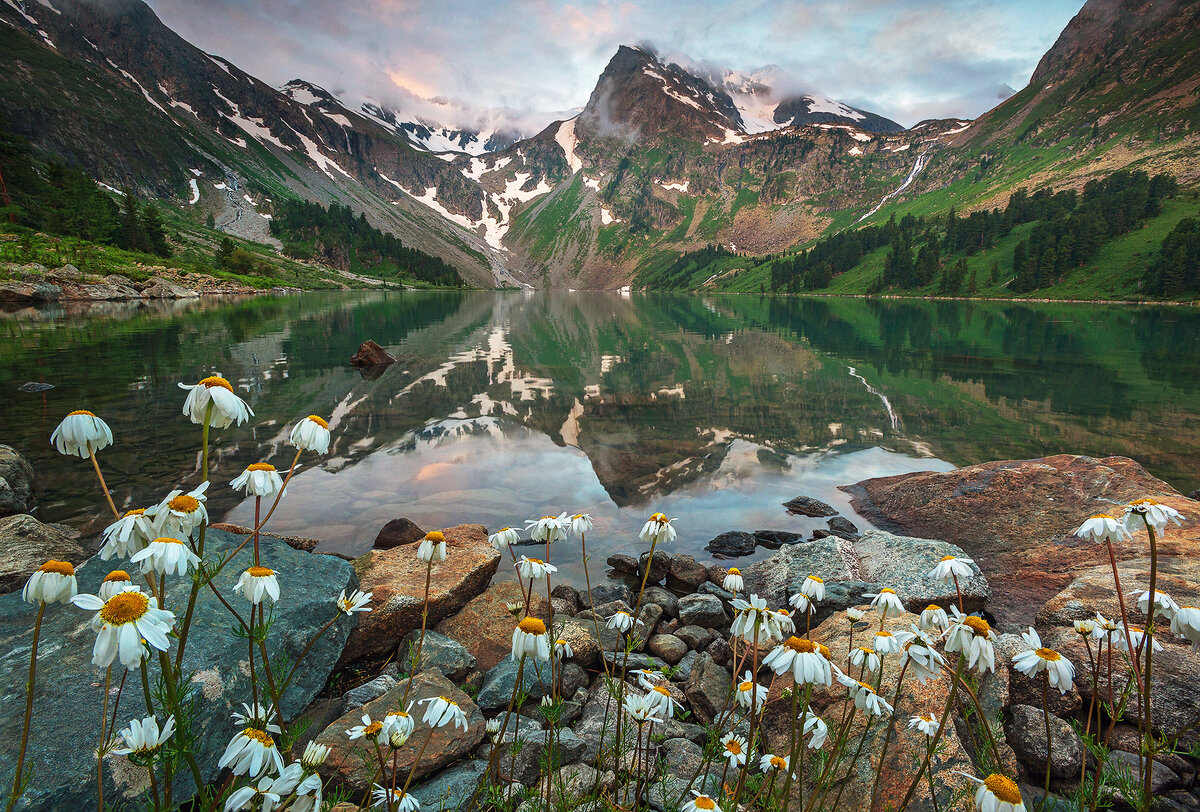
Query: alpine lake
x: 505, y: 406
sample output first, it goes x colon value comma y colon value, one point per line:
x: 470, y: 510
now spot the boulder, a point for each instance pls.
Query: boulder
x: 29, y: 293
x: 581, y: 637
x: 807, y: 506
x: 774, y: 539
x: 683, y: 759
x: 447, y: 744
x: 705, y: 611
x: 438, y: 653
x: 66, y: 274
x: 903, y: 563
x: 371, y: 354
x: 842, y: 526
x: 16, y: 482
x: 536, y: 749
x: 498, y: 683
x: 98, y: 293
x: 608, y: 591
x: 732, y: 544
x: 623, y: 563
x: 26, y: 544
x: 159, y: 288
x: 1025, y: 730
x: 484, y: 626
x: 776, y: 578
x: 1128, y: 766
x: 697, y: 638
x: 69, y: 691
x: 397, y: 532
x: 707, y: 688
x: 1016, y: 519
x: 686, y: 572
x: 450, y: 789
x: 397, y: 580
x: 569, y: 596
x: 665, y: 598
x: 368, y: 691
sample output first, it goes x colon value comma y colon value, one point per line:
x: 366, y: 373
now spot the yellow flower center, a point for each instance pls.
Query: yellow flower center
x: 81, y: 411
x: 1146, y: 502
x: 260, y: 572
x: 125, y: 607
x: 537, y: 561
x: 924, y: 717
x: 560, y: 642
x: 733, y: 747
x: 116, y: 575
x: 977, y: 625
x: 734, y: 571
x: 746, y: 687
x: 531, y: 625
x: 868, y: 688
x: 215, y: 380
x: 167, y: 540
x: 705, y: 803
x: 783, y: 612
x: 260, y: 736
x: 436, y: 536
x: 800, y: 645
x: 883, y: 634
x: 1049, y: 654
x: 887, y: 590
x: 58, y: 567
x: 137, y: 512
x: 778, y: 763
x: 825, y: 652
x: 933, y: 607
x: 660, y: 689
x: 1104, y: 516
x: 260, y: 466
x: 815, y: 578
x: 661, y: 518
x: 373, y: 729
x: 184, y: 503
x: 866, y: 650
x: 1004, y: 788
x: 320, y: 421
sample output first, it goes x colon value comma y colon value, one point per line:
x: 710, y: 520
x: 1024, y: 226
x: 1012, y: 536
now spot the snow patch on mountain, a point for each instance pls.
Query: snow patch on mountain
x: 824, y: 104
x: 195, y: 191
x: 565, y: 137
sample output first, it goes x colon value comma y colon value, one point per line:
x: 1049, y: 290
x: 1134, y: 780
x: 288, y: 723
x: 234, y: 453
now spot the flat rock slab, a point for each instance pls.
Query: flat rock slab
x: 807, y: 506
x: 69, y: 691
x: 397, y: 579
x: 903, y: 563
x: 778, y: 577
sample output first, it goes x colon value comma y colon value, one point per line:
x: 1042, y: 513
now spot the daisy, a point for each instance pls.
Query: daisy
x: 642, y: 709
x: 661, y: 696
x: 259, y: 479
x: 227, y: 408
x: 441, y: 711
x: 865, y: 698
x: 122, y: 622
x: 801, y: 603
x: 865, y: 659
x: 749, y: 693
x: 701, y: 803
x: 168, y: 556
x: 974, y: 638
x: 81, y: 434
x: 258, y: 716
x: 922, y: 658
x: 1087, y: 629
x: 621, y: 620
x: 143, y: 736
x: 733, y: 581
x: 396, y: 799
x: 1135, y: 636
x: 951, y: 566
x: 548, y: 529
x: 116, y: 581
x: 1163, y: 604
x: 648, y: 678
x: 854, y: 614
x: 562, y: 649
x: 1102, y: 527
x: 1037, y: 659
x: 933, y: 618
x: 813, y: 588
x: 53, y: 582
x: 1186, y: 623
x: 534, y: 568
x: 397, y: 737
x: 581, y: 523
x: 251, y: 752
x: 514, y: 607
x: 432, y: 549
x: 752, y: 620
x: 802, y: 659
x: 925, y: 723
x: 770, y: 761
x: 1143, y: 513
x: 658, y: 529
x: 530, y: 639
x: 492, y: 728
x: 259, y: 585
x: 311, y: 434
x: 127, y: 535
x: 180, y: 513
x: 885, y: 643
x: 997, y: 793
x: 504, y: 538
x: 785, y: 627
x: 402, y: 721
x: 314, y: 755
x: 1106, y: 629
x: 357, y: 602
x: 816, y: 730
x: 373, y: 731
x: 888, y: 599
x: 734, y: 749
x: 252, y: 795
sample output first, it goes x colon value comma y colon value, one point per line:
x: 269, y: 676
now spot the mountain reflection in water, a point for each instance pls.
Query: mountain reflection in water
x: 505, y: 406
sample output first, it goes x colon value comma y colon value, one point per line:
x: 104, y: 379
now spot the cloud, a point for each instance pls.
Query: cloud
x: 905, y: 59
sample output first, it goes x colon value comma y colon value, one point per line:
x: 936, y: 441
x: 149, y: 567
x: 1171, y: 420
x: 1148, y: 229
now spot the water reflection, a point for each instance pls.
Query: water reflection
x: 504, y: 405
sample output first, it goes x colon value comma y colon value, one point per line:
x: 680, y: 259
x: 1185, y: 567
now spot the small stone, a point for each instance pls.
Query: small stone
x: 562, y: 608
x: 683, y: 669
x: 707, y: 688
x: 709, y: 588
x: 668, y: 647
x: 397, y: 532
x: 1025, y: 730
x: 686, y: 572
x: 841, y: 525
x: 807, y: 506
x: 668, y: 626
x: 720, y: 651
x: 371, y: 354
x: 658, y: 569
x: 1161, y: 777
x: 368, y: 691
x: 569, y: 594
x: 449, y: 790
x: 623, y: 563
x: 16, y: 482
x: 607, y: 591
x: 498, y: 683
x: 438, y: 653
x: 697, y: 638
x: 664, y: 598
x: 732, y: 544
x: 702, y: 610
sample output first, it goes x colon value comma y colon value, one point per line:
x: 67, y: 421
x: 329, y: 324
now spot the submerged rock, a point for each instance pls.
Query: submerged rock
x: 371, y: 354
x: 807, y: 506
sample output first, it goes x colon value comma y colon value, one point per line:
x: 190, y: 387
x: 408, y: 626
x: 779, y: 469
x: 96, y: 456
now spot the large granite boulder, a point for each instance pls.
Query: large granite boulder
x: 159, y: 288
x: 397, y: 579
x: 26, y: 544
x: 776, y: 578
x: 1016, y: 517
x: 16, y: 482
x: 485, y: 626
x: 29, y: 293
x: 903, y: 563
x: 69, y: 691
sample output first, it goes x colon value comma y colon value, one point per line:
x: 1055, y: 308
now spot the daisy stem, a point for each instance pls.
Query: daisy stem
x: 1148, y: 638
x: 177, y: 710
x: 257, y: 525
x: 957, y: 590
x: 416, y: 660
x: 208, y: 410
x: 1087, y: 642
x: 832, y: 765
x: 112, y: 723
x: 250, y: 649
x: 753, y: 718
x: 303, y: 652
x: 103, y: 740
x: 797, y: 744
x: 499, y: 739
x: 633, y: 628
x: 936, y: 736
x: 37, y: 631
x: 983, y: 720
x: 587, y: 579
x: 862, y: 740
x: 891, y: 726
x: 103, y: 484
x: 279, y: 495
x: 1112, y: 560
x: 276, y: 694
x: 1049, y: 743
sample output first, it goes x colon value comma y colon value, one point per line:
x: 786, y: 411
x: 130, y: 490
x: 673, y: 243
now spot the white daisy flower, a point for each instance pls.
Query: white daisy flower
x: 581, y: 523
x: 801, y: 603
x: 888, y: 600
x: 227, y: 408
x: 529, y: 639
x: 311, y: 434
x: 661, y: 695
x: 642, y: 709
x: 885, y: 643
x: 548, y: 529
x: 375, y: 731
x: 53, y: 582
x: 81, y: 434
x: 179, y: 513
x: 854, y: 614
x: 802, y: 659
x: 865, y: 658
x: 922, y: 658
x: 1087, y: 629
x: 253, y: 795
x: 753, y: 618
x: 441, y: 711
x: 785, y: 627
x: 259, y: 716
x: 504, y: 538
x: 168, y: 556
x: 116, y: 581
x: 749, y: 693
x: 1135, y: 636
x: 143, y: 736
x: 951, y: 566
x: 314, y: 756
x: 562, y: 649
x: 259, y: 585
x: 122, y: 622
x: 770, y: 761
x: 648, y: 678
x: 933, y: 618
x: 402, y: 721
x: 701, y: 803
x: 127, y: 535
x: 251, y: 752
x: 357, y: 602
x: 492, y: 729
x: 1101, y: 528
x: 534, y: 569
x: 397, y: 737
x: 816, y: 730
x: 925, y: 723
x: 1141, y: 513
x: 658, y: 529
x: 733, y: 581
x: 865, y: 698
x: 1186, y: 623
x: 1163, y: 604
x: 1038, y: 659
x: 432, y: 549
x: 259, y: 479
x: 997, y: 793
x: 973, y: 637
x: 813, y: 588
x: 621, y: 620
x: 1106, y: 630
x: 734, y: 750
x: 396, y: 799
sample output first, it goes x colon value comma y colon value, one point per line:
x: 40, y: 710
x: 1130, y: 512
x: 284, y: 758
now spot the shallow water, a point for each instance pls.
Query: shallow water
x: 505, y: 406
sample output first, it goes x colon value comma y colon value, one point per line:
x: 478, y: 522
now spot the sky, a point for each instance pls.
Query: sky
x: 904, y: 59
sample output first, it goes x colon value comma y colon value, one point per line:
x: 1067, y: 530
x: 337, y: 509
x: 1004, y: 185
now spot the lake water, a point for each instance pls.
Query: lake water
x: 506, y: 406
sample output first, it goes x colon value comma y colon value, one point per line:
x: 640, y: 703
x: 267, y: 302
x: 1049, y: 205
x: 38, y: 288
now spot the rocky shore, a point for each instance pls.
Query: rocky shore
x: 1014, y: 518
x: 36, y: 285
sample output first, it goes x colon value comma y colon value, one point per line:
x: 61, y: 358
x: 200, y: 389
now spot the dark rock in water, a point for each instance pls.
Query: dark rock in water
x: 841, y: 525
x: 26, y: 544
x: 69, y: 691
x: 371, y: 354
x: 774, y: 539
x: 623, y: 563
x: 16, y: 483
x: 29, y: 293
x: 732, y: 544
x: 34, y: 386
x: 397, y: 532
x: 807, y: 506
x: 822, y: 533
